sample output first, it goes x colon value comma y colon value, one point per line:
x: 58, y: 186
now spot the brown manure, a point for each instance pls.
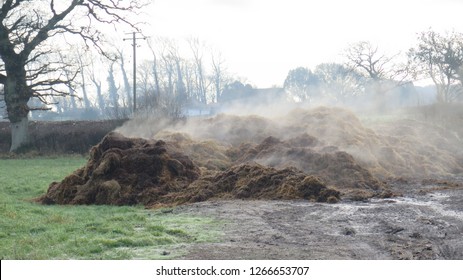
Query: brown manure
x: 209, y: 154
x: 307, y: 154
x: 336, y: 168
x: 255, y: 181
x: 124, y: 171
x: 128, y: 171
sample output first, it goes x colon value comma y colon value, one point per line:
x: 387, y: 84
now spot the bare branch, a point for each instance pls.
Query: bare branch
x: 36, y: 67
x: 440, y: 57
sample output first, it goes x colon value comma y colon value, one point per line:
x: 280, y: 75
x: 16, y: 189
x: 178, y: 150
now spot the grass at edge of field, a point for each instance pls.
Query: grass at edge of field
x: 32, y: 231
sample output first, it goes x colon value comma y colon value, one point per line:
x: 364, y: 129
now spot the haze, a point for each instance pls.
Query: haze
x: 262, y: 40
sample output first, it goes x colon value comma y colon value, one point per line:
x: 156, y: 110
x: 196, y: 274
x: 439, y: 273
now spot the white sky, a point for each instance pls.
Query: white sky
x: 263, y: 39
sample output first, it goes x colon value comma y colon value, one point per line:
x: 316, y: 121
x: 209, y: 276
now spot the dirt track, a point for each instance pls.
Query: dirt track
x: 419, y: 225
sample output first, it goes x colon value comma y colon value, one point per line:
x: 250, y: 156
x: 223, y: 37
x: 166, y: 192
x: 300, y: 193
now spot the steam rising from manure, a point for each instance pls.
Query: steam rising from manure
x: 387, y: 148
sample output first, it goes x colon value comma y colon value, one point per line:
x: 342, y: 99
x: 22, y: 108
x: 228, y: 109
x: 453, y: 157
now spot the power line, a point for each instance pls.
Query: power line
x: 134, y: 39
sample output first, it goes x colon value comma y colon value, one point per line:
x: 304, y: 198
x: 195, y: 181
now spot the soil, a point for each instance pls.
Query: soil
x: 426, y: 223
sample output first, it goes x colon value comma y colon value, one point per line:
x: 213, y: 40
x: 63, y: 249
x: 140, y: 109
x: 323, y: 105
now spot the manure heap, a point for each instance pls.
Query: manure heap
x: 127, y: 171
x: 323, y: 155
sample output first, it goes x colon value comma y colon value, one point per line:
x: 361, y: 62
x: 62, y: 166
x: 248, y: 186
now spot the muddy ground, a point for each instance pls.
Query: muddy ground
x: 425, y: 223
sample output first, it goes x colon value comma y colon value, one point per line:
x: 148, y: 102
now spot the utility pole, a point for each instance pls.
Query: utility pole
x: 134, y: 39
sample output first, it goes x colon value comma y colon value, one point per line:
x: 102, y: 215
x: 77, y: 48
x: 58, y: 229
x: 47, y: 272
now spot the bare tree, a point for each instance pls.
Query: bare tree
x: 172, y: 82
x: 172, y: 74
x: 69, y: 76
x: 201, y: 86
x: 145, y: 84
x: 125, y: 78
x: 165, y: 79
x: 219, y: 76
x: 155, y: 70
x: 338, y: 82
x: 82, y: 61
x: 301, y: 84
x: 440, y: 57
x: 176, y: 65
x: 98, y: 87
x: 377, y: 66
x: 29, y: 56
x: 113, y: 93
x: 365, y: 57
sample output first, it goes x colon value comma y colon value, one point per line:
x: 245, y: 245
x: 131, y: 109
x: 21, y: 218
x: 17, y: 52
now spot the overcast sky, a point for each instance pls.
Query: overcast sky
x: 263, y: 39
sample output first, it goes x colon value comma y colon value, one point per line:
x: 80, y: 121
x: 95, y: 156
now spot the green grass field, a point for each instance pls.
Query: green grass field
x: 32, y: 231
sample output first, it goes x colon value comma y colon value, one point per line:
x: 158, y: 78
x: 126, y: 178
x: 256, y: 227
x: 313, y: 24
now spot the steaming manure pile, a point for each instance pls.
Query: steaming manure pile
x: 323, y: 154
x: 123, y: 171
x: 127, y: 171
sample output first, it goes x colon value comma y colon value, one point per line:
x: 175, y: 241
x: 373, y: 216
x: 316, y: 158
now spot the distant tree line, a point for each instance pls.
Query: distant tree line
x: 190, y: 74
x: 73, y: 82
x: 176, y: 77
x: 368, y: 72
x: 171, y: 80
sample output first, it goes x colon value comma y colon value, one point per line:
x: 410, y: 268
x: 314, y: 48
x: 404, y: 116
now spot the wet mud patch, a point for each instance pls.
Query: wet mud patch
x: 414, y: 227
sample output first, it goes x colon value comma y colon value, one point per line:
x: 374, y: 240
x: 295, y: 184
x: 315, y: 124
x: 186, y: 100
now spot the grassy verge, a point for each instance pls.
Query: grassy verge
x: 32, y: 231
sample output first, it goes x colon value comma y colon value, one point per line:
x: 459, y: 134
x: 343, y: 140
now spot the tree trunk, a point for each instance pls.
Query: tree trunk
x: 19, y: 134
x: 127, y: 87
x: 17, y: 94
x: 156, y: 83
